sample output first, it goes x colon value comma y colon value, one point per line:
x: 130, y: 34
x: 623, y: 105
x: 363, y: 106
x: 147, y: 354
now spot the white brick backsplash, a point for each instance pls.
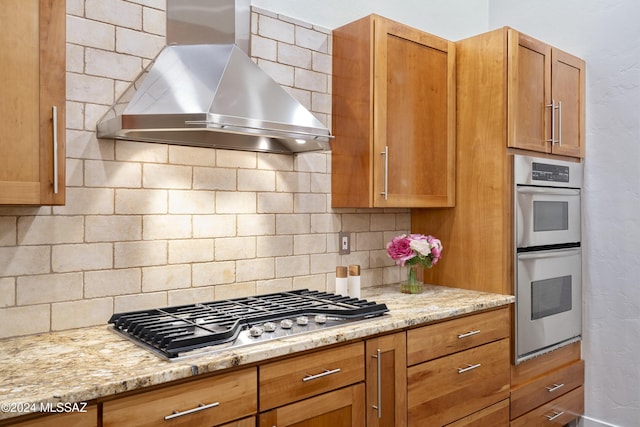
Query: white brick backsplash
x: 143, y: 301
x: 383, y: 222
x: 256, y: 180
x: 112, y: 174
x: 141, y: 201
x: 112, y: 282
x: 233, y: 248
x: 192, y: 156
x: 75, y: 7
x: 35, y: 230
x: 214, y: 226
x: 321, y: 183
x: 293, y: 55
x: 166, y: 277
x: 7, y: 292
x: 48, y: 288
x: 140, y: 254
x: 191, y: 202
x: 325, y: 263
x: 312, y: 39
x: 274, y: 285
x: 369, y: 241
x: 85, y: 145
x: 115, y: 12
x: 191, y: 295
x: 274, y: 246
x: 255, y: 269
x: 153, y: 21
x: 262, y: 47
x: 75, y: 115
x: 142, y: 152
x: 74, y: 172
x: 8, y: 233
x: 309, y: 203
x: 166, y: 176
x: 156, y: 4
x: 75, y: 63
x: 292, y: 223
x: 311, y: 162
x: 79, y: 257
x: 166, y: 227
x: 235, y: 202
x: 321, y: 62
x: 379, y: 258
x: 276, y: 29
x: 90, y: 33
x: 310, y: 80
x: 111, y: 65
x: 301, y: 95
x: 191, y: 250
x: 235, y: 290
x: 112, y: 228
x: 355, y: 222
x: 31, y: 319
x: 214, y: 179
x: 276, y: 162
x: 309, y: 244
x: 140, y: 44
x: 236, y: 159
x: 282, y: 74
x: 275, y: 203
x: 19, y: 260
x: 87, y: 201
x: 293, y: 182
x: 321, y: 102
x: 291, y: 266
x: 78, y: 314
x: 85, y: 88
x: 256, y: 225
x: 316, y: 282
x: 214, y: 273
x: 326, y: 223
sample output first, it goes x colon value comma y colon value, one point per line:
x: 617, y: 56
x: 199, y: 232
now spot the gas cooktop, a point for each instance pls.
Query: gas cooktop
x: 203, y: 328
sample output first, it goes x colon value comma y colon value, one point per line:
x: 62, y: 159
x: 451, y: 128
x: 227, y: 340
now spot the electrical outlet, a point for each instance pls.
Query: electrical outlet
x: 344, y: 243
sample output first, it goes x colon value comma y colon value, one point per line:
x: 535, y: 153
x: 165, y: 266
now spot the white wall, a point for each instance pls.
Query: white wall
x: 607, y: 35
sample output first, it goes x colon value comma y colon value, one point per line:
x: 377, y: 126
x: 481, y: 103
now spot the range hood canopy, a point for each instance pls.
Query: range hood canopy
x: 204, y: 90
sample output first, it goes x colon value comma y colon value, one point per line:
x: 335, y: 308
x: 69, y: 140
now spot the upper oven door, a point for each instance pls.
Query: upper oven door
x: 547, y: 216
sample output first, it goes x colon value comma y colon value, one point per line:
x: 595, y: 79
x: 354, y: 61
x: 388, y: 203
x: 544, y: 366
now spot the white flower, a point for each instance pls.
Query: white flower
x: 423, y: 247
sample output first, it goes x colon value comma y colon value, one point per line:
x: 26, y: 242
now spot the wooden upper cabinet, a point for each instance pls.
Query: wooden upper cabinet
x: 393, y: 116
x: 32, y: 110
x: 546, y: 89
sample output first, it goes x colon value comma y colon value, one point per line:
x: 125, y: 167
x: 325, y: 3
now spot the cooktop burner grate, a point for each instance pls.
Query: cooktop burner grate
x: 174, y: 331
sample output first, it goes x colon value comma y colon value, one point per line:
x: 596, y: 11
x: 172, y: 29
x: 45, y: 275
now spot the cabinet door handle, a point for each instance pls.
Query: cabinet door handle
x: 468, y: 334
x: 385, y: 153
x: 321, y: 374
x: 552, y: 140
x: 200, y: 407
x: 554, y: 387
x: 468, y: 368
x: 378, y: 407
x: 555, y: 415
x: 559, y: 108
x: 54, y: 119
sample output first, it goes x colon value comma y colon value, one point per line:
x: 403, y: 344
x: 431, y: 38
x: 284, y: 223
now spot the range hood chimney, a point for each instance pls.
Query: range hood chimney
x: 204, y: 90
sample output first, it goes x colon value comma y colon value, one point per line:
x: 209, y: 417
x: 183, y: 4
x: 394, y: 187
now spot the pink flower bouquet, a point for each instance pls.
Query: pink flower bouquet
x: 411, y: 250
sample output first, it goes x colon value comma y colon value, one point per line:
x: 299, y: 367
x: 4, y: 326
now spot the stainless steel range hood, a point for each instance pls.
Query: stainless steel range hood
x: 204, y: 90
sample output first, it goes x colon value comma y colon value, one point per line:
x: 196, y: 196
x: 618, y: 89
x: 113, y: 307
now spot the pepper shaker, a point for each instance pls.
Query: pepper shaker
x: 354, y: 281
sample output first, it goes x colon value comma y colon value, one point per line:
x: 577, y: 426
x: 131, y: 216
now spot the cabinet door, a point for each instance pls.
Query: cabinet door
x: 386, y: 381
x: 529, y: 93
x: 414, y: 117
x: 568, y: 87
x: 32, y: 41
x: 341, y: 408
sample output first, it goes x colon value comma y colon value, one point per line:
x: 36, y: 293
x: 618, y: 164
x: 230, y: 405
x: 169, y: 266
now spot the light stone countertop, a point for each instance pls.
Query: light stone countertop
x: 89, y: 363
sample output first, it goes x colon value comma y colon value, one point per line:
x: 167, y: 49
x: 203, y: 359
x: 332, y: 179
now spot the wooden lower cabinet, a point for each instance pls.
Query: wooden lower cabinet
x: 245, y: 422
x: 72, y: 419
x: 494, y: 416
x: 386, y: 380
x: 339, y: 408
x: 558, y: 412
x: 206, y: 402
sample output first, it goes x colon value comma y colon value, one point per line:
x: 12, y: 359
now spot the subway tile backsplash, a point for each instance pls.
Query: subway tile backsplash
x: 148, y: 225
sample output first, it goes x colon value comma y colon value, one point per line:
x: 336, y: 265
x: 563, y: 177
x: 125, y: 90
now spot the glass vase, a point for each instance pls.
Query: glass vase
x: 412, y: 285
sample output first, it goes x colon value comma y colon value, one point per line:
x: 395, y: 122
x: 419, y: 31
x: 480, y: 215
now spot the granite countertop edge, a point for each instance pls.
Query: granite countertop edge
x: 90, y: 363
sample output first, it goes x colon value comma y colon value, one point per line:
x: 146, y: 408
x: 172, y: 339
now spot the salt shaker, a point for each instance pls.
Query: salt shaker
x: 341, y: 281
x: 354, y: 281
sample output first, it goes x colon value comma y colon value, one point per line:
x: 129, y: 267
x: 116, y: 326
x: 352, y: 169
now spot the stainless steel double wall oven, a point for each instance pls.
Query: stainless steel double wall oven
x: 548, y: 254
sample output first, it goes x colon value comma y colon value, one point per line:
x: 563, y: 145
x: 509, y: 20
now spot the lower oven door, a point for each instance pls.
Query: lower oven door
x: 548, y: 301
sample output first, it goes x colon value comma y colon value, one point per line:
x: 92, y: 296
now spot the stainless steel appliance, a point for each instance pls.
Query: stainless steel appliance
x: 548, y: 254
x: 175, y: 333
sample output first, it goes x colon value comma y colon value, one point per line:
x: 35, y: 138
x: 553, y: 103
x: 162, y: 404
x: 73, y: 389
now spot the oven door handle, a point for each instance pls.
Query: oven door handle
x: 549, y: 254
x: 549, y: 190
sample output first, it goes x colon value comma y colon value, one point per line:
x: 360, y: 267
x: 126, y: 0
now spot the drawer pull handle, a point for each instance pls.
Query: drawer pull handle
x: 468, y: 334
x: 555, y: 415
x: 321, y: 374
x: 554, y: 387
x: 200, y: 407
x: 468, y: 368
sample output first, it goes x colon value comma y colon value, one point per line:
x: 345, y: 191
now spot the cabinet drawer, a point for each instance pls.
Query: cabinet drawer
x: 448, y: 337
x: 303, y: 376
x: 544, y: 389
x: 445, y: 389
x: 558, y: 412
x: 495, y: 415
x: 73, y: 419
x: 214, y: 400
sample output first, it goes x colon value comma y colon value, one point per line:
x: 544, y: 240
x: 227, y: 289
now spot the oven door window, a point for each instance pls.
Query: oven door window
x: 550, y: 296
x: 550, y: 216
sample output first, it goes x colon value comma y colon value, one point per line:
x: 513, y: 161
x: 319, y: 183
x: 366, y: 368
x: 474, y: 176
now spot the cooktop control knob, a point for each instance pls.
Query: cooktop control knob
x: 302, y: 320
x: 256, y: 331
x: 286, y: 323
x: 320, y: 318
x: 269, y: 327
